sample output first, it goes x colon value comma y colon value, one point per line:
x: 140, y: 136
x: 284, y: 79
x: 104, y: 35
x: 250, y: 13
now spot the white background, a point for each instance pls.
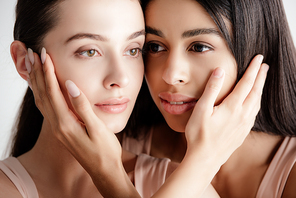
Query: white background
x: 12, y: 87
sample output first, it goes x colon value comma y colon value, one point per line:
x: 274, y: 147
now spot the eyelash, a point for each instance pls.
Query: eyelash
x: 149, y: 45
x: 85, y: 54
x: 200, y: 45
x: 139, y: 51
x: 148, y: 48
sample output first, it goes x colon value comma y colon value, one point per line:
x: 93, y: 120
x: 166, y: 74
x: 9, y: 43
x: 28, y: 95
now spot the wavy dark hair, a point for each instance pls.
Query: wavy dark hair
x: 258, y: 27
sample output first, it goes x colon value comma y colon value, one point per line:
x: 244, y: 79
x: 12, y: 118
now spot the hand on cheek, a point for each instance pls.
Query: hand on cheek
x: 220, y: 130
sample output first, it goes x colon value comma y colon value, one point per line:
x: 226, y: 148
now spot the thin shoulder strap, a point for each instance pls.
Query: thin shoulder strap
x: 18, y: 175
x: 277, y: 174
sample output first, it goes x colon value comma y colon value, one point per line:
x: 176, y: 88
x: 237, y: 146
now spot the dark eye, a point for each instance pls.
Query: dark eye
x: 154, y: 48
x: 199, y: 48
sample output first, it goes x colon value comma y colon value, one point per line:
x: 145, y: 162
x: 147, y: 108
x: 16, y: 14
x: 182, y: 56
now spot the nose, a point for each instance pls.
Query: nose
x: 176, y: 70
x: 117, y: 75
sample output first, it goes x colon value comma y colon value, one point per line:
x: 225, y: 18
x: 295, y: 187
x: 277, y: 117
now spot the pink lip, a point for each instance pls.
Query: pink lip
x: 113, y: 105
x: 176, y: 103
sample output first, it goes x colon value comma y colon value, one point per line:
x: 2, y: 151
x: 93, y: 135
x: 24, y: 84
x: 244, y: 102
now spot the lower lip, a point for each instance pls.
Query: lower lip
x: 114, y: 109
x: 177, y: 109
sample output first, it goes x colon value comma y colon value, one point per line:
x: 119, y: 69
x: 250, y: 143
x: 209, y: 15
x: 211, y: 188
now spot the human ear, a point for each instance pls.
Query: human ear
x: 18, y: 51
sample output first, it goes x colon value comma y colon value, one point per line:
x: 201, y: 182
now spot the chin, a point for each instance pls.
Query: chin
x: 177, y: 124
x: 116, y: 126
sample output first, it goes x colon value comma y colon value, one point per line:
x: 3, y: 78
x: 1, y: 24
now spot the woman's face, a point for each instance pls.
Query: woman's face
x: 97, y: 45
x: 184, y: 47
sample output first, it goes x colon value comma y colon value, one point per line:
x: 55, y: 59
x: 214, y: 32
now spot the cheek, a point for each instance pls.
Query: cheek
x: 81, y: 75
x: 230, y: 67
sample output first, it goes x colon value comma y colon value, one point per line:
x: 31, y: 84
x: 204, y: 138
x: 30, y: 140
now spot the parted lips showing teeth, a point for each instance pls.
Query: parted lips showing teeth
x: 176, y: 103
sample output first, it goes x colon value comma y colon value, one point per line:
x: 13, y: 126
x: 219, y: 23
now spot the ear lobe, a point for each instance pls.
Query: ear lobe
x: 18, y: 51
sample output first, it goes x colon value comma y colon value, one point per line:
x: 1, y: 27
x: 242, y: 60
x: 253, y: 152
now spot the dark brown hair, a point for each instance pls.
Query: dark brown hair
x: 34, y: 19
x: 260, y: 27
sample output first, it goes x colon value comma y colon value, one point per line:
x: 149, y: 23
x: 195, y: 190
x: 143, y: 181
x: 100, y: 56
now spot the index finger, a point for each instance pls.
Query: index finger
x: 54, y: 92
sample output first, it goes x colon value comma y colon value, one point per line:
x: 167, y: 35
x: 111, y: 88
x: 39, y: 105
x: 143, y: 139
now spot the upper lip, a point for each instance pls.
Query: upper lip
x: 176, y: 98
x: 114, y: 101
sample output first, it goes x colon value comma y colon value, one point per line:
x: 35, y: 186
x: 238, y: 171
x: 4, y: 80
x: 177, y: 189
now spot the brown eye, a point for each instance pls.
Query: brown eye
x: 199, y: 48
x: 89, y: 53
x: 133, y: 52
x: 155, y: 48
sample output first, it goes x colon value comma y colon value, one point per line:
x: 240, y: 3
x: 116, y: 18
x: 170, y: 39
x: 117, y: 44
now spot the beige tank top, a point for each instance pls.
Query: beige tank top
x: 149, y: 174
x: 275, y: 178
x: 18, y: 175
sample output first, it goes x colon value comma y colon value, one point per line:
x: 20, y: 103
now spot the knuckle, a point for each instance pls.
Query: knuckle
x: 214, y: 87
x: 63, y: 129
x: 82, y: 107
x: 49, y: 91
x: 46, y: 70
x: 249, y: 81
x: 42, y: 95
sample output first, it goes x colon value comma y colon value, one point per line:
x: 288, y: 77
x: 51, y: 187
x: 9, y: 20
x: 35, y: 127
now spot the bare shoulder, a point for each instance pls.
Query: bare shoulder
x: 290, y: 190
x: 7, y: 188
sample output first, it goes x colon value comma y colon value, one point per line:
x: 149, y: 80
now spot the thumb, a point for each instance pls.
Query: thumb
x: 83, y: 108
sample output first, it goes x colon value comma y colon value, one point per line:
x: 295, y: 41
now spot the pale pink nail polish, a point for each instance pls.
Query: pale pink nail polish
x: 31, y: 56
x: 72, y: 89
x: 28, y: 64
x: 218, y: 73
x: 43, y: 55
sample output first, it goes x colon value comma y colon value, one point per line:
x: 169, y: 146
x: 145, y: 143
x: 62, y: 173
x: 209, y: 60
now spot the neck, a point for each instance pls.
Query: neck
x: 246, y: 167
x: 50, y: 164
x: 167, y: 143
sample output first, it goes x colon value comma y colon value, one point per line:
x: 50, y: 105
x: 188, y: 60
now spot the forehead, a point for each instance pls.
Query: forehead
x: 177, y: 16
x: 106, y: 17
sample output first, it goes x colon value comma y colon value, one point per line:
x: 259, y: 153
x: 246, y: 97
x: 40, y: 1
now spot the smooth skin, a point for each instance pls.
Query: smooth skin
x: 208, y: 149
x: 95, y: 43
x: 180, y: 59
x: 206, y: 137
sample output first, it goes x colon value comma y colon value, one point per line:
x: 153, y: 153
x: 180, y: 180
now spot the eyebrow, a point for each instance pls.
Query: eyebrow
x: 150, y: 30
x: 186, y: 34
x: 136, y: 34
x: 86, y: 35
x: 101, y: 38
x: 196, y: 32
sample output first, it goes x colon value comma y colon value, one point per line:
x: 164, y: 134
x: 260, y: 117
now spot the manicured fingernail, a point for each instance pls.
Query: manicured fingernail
x: 43, y: 55
x: 265, y: 67
x: 72, y: 89
x: 260, y: 58
x: 218, y: 73
x: 31, y: 56
x: 28, y: 64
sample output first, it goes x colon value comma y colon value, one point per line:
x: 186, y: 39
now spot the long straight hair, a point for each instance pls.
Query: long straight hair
x: 258, y: 27
x: 34, y: 19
